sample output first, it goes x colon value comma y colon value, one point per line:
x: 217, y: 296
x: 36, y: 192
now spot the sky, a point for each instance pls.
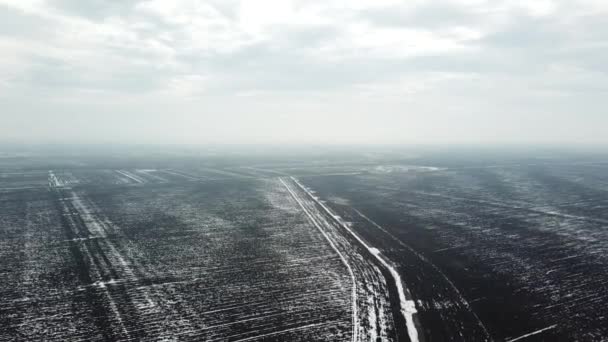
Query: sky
x: 304, y: 71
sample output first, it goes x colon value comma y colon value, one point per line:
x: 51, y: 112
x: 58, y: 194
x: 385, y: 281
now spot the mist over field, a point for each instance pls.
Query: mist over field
x: 303, y: 170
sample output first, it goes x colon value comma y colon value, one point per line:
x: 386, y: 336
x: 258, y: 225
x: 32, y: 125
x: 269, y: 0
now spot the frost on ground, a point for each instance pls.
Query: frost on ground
x: 234, y: 260
x: 372, y: 314
x: 216, y: 250
x: 529, y: 239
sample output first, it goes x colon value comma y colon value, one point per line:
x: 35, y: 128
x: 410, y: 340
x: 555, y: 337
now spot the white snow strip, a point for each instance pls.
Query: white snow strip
x: 424, y: 259
x: 53, y: 180
x: 131, y: 176
x: 224, y: 172
x: 102, y: 284
x: 344, y: 261
x: 98, y: 228
x: 181, y: 174
x: 83, y: 239
x: 111, y: 301
x: 408, y: 307
x: 265, y: 170
x: 513, y: 205
x: 533, y: 333
x: 329, y: 174
x: 88, y: 217
x: 152, y: 173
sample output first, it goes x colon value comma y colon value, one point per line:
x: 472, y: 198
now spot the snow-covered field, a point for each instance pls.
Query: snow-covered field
x: 234, y: 260
x: 303, y: 250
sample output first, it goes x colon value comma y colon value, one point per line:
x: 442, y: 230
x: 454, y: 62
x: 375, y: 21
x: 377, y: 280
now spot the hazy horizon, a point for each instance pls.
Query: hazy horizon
x: 303, y: 170
x: 466, y: 72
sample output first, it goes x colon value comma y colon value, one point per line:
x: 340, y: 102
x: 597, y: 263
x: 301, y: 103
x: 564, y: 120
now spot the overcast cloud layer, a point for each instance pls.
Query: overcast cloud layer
x: 301, y: 71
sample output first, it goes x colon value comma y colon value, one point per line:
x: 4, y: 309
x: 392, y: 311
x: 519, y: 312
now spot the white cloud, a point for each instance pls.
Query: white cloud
x: 476, y: 60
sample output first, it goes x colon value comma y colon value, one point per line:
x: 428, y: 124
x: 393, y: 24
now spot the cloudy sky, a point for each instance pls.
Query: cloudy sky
x: 302, y: 71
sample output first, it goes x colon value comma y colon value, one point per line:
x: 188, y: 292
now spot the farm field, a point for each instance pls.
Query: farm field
x: 104, y: 255
x: 320, y: 248
x: 500, y: 252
